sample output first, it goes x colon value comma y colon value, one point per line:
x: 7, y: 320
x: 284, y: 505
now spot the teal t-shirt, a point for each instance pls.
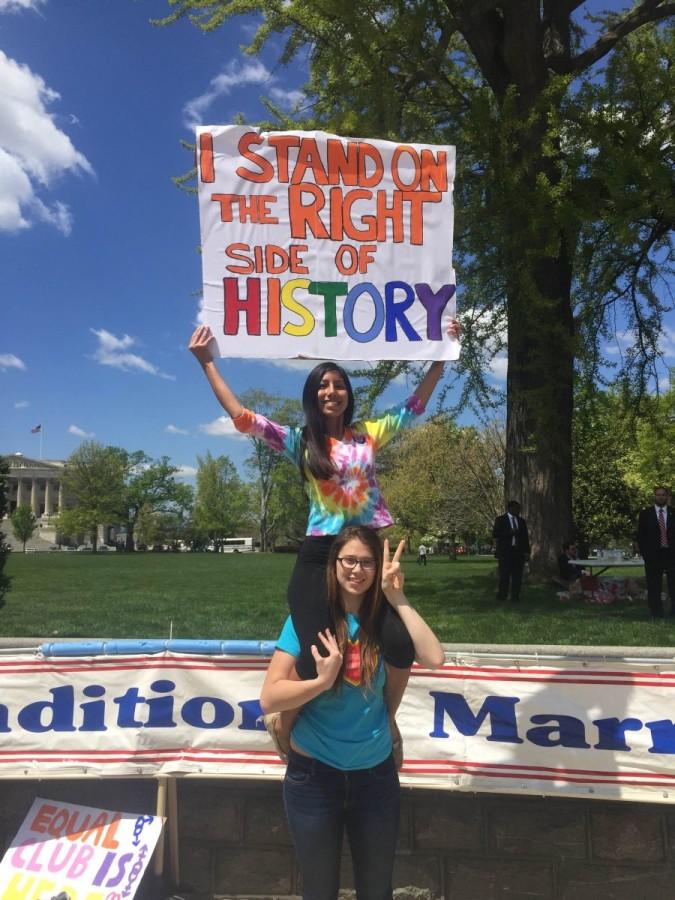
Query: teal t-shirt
x: 348, y: 728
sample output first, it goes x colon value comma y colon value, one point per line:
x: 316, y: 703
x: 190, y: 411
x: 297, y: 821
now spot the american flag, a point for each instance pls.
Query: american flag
x: 36, y: 430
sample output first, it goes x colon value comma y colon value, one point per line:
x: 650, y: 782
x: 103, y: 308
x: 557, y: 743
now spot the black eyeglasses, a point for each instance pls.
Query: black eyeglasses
x: 351, y: 562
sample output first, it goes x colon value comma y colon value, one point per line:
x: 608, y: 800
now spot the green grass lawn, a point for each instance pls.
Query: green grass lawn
x: 233, y: 596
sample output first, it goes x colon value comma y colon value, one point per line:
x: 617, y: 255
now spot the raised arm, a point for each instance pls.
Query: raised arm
x: 427, y: 385
x: 200, y: 345
x: 428, y: 650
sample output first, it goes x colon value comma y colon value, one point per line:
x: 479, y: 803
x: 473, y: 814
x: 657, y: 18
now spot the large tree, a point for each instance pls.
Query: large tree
x: 221, y: 502
x: 110, y: 486
x: 149, y: 485
x: 650, y: 461
x: 24, y: 524
x: 458, y: 490
x: 93, y: 482
x: 605, y: 503
x: 564, y: 192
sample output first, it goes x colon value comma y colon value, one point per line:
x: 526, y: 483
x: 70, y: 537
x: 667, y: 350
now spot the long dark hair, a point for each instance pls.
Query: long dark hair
x: 371, y: 605
x: 314, y: 453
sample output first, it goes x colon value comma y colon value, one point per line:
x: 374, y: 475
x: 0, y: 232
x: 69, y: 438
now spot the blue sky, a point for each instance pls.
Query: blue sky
x: 98, y: 250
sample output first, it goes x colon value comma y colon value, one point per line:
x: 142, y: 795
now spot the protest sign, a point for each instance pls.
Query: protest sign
x: 319, y: 246
x: 84, y: 852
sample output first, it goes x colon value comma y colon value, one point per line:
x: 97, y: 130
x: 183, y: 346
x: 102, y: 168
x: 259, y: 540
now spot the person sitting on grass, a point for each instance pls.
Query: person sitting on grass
x: 341, y: 775
x: 568, y: 570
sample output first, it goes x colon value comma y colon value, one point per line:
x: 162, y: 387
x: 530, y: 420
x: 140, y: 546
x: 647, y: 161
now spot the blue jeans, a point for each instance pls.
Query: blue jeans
x: 321, y: 802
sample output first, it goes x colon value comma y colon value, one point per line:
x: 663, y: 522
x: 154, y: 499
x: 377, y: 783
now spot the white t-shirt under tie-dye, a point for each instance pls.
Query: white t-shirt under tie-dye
x: 352, y: 495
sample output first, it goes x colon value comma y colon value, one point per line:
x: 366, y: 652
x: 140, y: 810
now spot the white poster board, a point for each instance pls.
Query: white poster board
x: 84, y: 852
x: 319, y: 246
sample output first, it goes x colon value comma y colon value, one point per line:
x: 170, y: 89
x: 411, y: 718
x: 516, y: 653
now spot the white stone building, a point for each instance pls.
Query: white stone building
x: 36, y: 483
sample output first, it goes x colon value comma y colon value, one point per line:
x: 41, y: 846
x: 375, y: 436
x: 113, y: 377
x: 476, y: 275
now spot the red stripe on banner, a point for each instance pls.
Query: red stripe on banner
x: 86, y: 662
x: 129, y: 753
x: 190, y: 756
x: 260, y: 665
x: 551, y: 679
x: 529, y: 777
x: 623, y: 674
x: 525, y: 768
x: 69, y: 670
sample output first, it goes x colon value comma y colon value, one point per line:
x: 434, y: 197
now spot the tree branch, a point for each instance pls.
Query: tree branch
x: 647, y: 11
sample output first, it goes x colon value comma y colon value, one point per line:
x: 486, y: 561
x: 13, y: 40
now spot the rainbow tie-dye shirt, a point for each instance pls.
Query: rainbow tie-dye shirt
x: 352, y: 495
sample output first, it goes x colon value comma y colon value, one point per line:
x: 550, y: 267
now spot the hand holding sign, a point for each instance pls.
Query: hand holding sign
x: 203, y: 344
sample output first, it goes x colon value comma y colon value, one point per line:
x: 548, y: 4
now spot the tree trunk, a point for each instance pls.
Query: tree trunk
x: 540, y: 385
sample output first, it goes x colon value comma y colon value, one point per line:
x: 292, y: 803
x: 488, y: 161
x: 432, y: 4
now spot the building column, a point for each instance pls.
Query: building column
x: 34, y: 501
x: 19, y: 492
x: 49, y: 498
x: 60, y: 506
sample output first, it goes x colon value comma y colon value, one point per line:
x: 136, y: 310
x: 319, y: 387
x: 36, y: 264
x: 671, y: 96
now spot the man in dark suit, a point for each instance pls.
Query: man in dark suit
x: 512, y: 549
x: 655, y: 537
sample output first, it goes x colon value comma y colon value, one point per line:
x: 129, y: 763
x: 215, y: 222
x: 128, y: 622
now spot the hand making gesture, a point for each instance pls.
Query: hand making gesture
x: 392, y: 573
x: 327, y: 667
x: 428, y: 650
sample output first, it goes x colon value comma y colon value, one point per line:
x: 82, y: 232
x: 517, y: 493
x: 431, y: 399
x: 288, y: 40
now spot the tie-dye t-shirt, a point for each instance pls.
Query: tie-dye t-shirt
x: 352, y: 495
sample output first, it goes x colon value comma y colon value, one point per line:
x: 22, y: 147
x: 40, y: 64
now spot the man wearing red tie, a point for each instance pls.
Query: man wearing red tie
x: 655, y: 537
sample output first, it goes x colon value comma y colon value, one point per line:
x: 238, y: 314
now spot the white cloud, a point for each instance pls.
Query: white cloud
x: 287, y: 98
x: 33, y: 151
x: 624, y: 339
x: 174, y: 429
x: 223, y: 426
x: 112, y: 351
x: 293, y: 365
x: 10, y: 6
x: 21, y: 404
x: 667, y: 342
x: 79, y: 432
x: 499, y: 366
x: 186, y: 472
x: 9, y: 361
x: 236, y: 74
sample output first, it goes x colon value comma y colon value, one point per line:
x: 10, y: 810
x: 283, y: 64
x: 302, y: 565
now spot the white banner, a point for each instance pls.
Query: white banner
x: 477, y: 724
x: 319, y: 246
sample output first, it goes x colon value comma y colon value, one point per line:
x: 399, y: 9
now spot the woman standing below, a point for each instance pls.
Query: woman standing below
x: 336, y: 458
x: 341, y: 774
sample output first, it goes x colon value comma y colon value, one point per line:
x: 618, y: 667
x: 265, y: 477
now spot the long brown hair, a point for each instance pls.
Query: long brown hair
x: 371, y: 604
x: 314, y: 454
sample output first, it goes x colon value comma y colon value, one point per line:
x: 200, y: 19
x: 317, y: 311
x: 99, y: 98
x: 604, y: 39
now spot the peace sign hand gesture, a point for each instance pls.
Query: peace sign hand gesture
x: 392, y: 573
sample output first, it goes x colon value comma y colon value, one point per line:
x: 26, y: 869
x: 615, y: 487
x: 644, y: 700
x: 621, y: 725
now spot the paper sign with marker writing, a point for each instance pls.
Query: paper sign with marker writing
x: 81, y: 851
x: 320, y: 246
